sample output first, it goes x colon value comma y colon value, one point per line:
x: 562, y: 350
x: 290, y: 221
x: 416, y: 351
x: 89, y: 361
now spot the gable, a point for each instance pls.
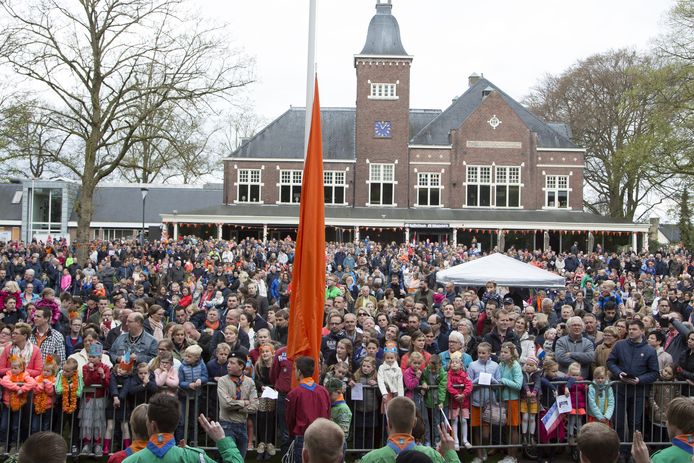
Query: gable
x: 436, y: 132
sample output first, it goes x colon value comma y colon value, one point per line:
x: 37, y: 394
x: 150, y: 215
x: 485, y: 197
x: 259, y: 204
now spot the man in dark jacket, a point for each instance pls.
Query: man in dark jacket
x: 501, y: 333
x: 634, y: 364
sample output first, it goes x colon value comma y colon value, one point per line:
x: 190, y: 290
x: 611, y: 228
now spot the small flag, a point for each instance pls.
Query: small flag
x: 540, y: 353
x: 551, y: 419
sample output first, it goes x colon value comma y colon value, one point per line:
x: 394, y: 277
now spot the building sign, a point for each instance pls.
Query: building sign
x: 494, y: 144
x: 428, y: 225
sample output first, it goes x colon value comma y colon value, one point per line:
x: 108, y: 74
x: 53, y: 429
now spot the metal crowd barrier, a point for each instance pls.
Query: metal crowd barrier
x: 368, y: 427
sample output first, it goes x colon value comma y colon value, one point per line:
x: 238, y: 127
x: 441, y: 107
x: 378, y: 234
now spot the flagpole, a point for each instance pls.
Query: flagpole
x: 310, y: 69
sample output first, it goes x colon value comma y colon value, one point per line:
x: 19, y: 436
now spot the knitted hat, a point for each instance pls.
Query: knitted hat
x: 96, y: 349
x: 532, y: 360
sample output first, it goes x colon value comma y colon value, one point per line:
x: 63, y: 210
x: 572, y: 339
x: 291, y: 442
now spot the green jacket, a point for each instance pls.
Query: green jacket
x: 436, y: 394
x: 387, y: 455
x: 227, y: 449
x: 341, y: 415
x: 671, y: 454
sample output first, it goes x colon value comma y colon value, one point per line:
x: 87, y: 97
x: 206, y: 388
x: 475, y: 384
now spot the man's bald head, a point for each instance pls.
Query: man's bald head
x: 323, y: 442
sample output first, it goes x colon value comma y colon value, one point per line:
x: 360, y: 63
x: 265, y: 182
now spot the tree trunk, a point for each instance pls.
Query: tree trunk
x: 85, y: 210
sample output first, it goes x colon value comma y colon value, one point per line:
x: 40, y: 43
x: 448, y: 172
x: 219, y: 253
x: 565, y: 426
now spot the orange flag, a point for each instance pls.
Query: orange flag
x: 308, y: 278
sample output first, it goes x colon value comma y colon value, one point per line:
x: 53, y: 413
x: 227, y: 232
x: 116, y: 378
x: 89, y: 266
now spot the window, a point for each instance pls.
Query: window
x: 111, y: 234
x: 381, y: 184
x: 45, y: 210
x: 557, y: 191
x: 479, y: 186
x: 428, y: 189
x: 334, y: 187
x: 383, y: 92
x: 248, y: 186
x: 290, y: 186
x: 508, y: 186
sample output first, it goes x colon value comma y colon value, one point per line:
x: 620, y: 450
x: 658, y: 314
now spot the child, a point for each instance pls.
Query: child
x: 529, y: 400
x: 577, y: 392
x: 93, y: 412
x: 266, y: 407
x: 192, y: 377
x: 340, y: 370
x: 512, y: 378
x: 492, y: 294
x: 601, y: 397
x: 217, y: 367
x: 68, y: 385
x: 48, y: 300
x: 435, y: 379
x: 340, y: 413
x: 481, y: 395
x: 165, y: 374
x: 238, y: 398
x: 16, y: 384
x: 412, y: 377
x: 459, y: 388
x: 389, y: 375
x: 119, y: 376
x: 44, y: 396
x: 365, y: 418
x: 549, y: 337
x: 659, y: 398
x: 548, y: 393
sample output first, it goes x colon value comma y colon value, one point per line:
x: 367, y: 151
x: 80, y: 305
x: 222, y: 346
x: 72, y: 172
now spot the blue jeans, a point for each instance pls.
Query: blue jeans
x: 41, y: 422
x: 5, y: 418
x: 238, y: 432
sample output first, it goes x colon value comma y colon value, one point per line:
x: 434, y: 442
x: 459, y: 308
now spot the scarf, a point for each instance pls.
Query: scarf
x: 684, y: 442
x: 238, y: 381
x: 70, y: 386
x: 340, y: 400
x: 213, y: 326
x: 24, y: 353
x: 42, y: 401
x: 308, y: 384
x: 161, y: 443
x: 157, y: 329
x: 17, y: 401
x: 401, y: 442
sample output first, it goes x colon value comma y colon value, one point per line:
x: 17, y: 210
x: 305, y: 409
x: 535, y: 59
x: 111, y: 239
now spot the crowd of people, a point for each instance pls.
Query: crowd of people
x: 206, y: 321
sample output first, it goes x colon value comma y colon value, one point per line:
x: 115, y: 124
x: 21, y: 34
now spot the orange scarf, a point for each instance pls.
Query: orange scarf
x: 17, y: 401
x: 213, y: 326
x: 42, y: 401
x: 70, y: 393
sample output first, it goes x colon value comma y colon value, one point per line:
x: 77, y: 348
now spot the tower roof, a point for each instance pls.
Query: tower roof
x: 383, y: 38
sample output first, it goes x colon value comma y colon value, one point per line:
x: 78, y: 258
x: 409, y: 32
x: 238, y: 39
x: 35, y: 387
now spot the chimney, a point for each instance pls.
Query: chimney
x: 472, y: 79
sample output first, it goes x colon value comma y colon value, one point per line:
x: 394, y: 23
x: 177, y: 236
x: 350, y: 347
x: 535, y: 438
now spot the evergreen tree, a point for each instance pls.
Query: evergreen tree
x: 685, y: 223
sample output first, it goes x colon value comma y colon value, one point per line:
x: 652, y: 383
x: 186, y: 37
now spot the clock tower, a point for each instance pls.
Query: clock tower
x: 382, y: 114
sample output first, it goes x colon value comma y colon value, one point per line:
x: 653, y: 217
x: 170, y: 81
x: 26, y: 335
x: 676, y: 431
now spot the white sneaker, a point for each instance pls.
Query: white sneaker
x: 477, y: 460
x: 467, y: 445
x: 457, y: 447
x: 508, y: 459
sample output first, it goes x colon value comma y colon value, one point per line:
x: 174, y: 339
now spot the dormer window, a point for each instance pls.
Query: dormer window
x: 383, y: 91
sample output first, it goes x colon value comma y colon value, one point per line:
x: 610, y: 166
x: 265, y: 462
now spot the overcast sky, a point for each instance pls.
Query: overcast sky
x: 513, y: 42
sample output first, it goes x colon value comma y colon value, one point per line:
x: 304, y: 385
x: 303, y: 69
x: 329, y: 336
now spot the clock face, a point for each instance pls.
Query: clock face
x: 382, y: 129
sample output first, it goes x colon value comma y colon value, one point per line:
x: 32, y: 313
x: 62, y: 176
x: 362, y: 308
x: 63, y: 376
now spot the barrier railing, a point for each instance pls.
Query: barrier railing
x: 634, y: 408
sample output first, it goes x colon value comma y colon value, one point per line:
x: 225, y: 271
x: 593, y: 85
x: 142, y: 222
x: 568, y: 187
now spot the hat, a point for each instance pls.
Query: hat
x: 96, y: 349
x: 334, y: 385
x: 509, y: 300
x: 239, y: 355
x: 532, y: 360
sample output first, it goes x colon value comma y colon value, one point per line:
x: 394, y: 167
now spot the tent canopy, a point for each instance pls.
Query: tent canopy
x: 504, y: 270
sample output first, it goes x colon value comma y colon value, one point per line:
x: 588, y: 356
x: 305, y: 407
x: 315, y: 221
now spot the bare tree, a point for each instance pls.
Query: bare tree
x: 610, y: 104
x: 110, y: 65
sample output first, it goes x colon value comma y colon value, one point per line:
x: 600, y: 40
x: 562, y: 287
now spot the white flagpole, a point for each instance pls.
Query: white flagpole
x: 310, y: 70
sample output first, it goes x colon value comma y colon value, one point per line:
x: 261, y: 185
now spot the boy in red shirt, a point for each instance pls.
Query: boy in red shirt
x: 305, y: 403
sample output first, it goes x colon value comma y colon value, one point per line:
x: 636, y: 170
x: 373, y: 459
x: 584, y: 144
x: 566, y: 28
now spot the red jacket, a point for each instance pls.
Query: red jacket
x: 457, y: 378
x: 93, y: 378
x: 304, y: 406
x: 281, y: 371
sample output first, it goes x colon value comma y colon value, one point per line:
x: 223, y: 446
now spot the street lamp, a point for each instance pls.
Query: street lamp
x: 144, y: 191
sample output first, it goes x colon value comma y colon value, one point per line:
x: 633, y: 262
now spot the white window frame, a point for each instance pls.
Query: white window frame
x: 250, y: 181
x: 331, y: 181
x: 383, y: 91
x: 294, y: 182
x: 553, y: 186
x: 429, y: 181
x: 475, y: 179
x: 379, y: 177
x: 503, y: 178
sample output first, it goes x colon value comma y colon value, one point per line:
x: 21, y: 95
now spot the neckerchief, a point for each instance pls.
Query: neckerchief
x: 238, y: 381
x: 135, y: 447
x: 161, y: 443
x: 340, y: 400
x: 684, y: 442
x: 401, y: 442
x: 308, y: 384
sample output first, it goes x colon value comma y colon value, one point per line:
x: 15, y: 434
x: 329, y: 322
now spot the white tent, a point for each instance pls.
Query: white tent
x: 504, y: 270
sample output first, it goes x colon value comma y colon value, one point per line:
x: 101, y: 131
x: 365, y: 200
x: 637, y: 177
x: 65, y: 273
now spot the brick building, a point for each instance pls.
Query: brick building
x: 483, y: 166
